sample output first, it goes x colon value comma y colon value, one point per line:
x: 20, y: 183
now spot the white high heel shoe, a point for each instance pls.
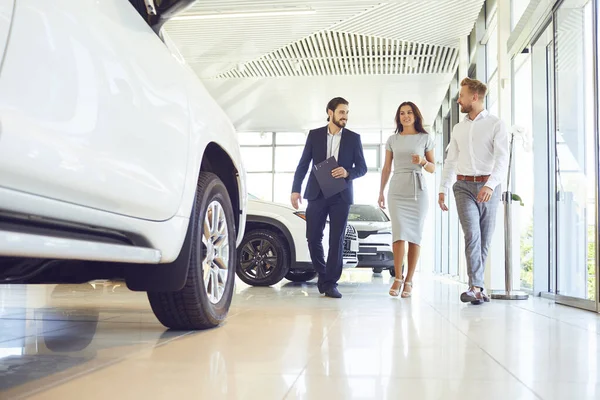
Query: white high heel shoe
x: 396, y: 292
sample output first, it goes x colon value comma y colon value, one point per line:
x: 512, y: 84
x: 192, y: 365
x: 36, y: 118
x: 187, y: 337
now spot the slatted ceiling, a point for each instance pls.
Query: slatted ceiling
x: 436, y: 22
x: 340, y: 53
x: 247, y: 38
x: 213, y: 46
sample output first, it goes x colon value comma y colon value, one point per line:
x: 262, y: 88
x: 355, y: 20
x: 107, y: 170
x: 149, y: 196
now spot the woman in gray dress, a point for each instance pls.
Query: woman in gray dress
x: 411, y: 151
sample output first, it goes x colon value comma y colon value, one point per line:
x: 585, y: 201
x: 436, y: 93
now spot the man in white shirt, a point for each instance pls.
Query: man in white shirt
x: 478, y: 159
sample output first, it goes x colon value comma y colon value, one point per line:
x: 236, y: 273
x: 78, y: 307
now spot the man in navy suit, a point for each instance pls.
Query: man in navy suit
x: 322, y: 143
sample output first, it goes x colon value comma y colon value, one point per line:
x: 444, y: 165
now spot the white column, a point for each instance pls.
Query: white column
x: 504, y: 62
x: 463, y: 58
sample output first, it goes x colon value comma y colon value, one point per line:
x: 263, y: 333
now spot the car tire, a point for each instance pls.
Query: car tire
x: 300, y: 276
x: 204, y: 300
x: 377, y: 270
x: 259, y: 265
x: 392, y: 272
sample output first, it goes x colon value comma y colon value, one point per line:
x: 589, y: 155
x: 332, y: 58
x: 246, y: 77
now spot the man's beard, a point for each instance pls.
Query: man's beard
x: 466, y: 109
x: 339, y: 123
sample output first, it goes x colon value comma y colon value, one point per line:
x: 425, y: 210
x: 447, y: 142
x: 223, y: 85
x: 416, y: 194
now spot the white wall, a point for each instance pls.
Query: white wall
x: 298, y: 103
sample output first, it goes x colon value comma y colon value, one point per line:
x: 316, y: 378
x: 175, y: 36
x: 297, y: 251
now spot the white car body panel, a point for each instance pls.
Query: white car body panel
x: 210, y: 124
x: 6, y: 12
x: 297, y: 228
x: 91, y: 109
x: 165, y: 236
x: 296, y: 225
x: 375, y: 236
x: 20, y: 244
x: 385, y: 239
x: 102, y: 124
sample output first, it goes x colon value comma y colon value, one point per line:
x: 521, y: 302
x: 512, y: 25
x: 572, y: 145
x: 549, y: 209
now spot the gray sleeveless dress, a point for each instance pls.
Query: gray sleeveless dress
x: 407, y: 195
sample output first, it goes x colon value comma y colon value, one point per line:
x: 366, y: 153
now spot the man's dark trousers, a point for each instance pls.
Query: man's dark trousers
x: 352, y: 159
x: 316, y: 219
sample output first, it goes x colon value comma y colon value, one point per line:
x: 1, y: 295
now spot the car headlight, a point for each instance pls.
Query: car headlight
x: 301, y: 214
x: 386, y: 230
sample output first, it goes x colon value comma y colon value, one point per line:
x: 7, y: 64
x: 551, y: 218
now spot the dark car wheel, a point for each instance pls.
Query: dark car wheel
x: 263, y: 258
x: 204, y: 300
x: 300, y: 276
x: 377, y: 270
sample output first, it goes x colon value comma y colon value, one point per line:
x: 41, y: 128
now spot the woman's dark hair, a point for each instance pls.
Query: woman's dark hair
x: 334, y: 103
x: 418, y: 117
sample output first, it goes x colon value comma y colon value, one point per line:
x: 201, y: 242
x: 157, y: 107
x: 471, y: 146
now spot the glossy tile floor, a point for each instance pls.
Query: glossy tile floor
x: 287, y: 342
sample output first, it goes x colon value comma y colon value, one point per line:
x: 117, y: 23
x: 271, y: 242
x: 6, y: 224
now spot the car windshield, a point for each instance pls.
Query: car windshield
x: 366, y: 213
x: 252, y: 197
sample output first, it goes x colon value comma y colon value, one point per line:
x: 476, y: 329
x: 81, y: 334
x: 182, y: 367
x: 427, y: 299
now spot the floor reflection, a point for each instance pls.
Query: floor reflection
x: 288, y: 341
x: 72, y: 333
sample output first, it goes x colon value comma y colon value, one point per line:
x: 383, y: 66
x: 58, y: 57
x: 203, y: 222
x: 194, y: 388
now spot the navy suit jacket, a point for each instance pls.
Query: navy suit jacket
x: 350, y: 157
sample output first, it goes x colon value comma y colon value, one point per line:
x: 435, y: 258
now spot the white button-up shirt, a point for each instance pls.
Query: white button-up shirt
x: 478, y: 147
x: 333, y: 144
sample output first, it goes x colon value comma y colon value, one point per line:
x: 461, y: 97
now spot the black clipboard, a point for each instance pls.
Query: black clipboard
x: 329, y: 185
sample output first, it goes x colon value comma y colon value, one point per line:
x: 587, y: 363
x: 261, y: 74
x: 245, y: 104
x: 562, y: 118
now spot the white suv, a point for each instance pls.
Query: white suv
x: 115, y: 162
x: 375, y: 237
x: 275, y: 246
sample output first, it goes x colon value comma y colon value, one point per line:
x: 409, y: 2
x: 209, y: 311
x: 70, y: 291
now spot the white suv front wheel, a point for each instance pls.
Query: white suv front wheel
x: 204, y: 300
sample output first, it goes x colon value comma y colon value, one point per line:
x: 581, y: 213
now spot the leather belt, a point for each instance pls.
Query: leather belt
x: 480, y: 178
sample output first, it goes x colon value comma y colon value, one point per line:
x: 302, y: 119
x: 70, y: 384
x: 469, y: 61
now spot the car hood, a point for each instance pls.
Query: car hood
x: 270, y: 204
x: 367, y: 226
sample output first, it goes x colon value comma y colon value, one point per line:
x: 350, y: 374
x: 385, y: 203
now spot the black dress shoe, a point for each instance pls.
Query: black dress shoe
x: 320, y: 285
x: 333, y: 292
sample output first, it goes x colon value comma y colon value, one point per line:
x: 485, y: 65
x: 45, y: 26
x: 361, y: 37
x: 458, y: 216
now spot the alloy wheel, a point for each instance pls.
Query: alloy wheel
x: 215, y: 238
x: 258, y: 259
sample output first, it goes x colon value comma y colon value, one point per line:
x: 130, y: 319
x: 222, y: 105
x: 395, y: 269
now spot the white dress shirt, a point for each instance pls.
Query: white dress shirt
x: 478, y: 147
x: 333, y: 144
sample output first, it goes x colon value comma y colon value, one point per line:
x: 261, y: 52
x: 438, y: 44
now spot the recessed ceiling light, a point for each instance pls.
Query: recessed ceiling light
x: 265, y: 13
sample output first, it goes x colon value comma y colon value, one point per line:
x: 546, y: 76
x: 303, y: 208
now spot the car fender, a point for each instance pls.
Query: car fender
x: 277, y: 223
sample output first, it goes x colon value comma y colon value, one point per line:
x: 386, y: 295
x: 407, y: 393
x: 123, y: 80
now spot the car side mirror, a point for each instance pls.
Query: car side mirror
x: 157, y: 12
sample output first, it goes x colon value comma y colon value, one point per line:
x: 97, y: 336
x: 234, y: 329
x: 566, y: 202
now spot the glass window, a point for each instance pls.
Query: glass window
x: 260, y: 185
x: 523, y: 181
x: 283, y: 188
x: 366, y: 188
x: 255, y: 138
x: 287, y: 158
x: 366, y: 213
x: 371, y: 156
x: 257, y: 159
x: 291, y: 137
x: 370, y: 137
x: 575, y: 152
x: 491, y: 50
